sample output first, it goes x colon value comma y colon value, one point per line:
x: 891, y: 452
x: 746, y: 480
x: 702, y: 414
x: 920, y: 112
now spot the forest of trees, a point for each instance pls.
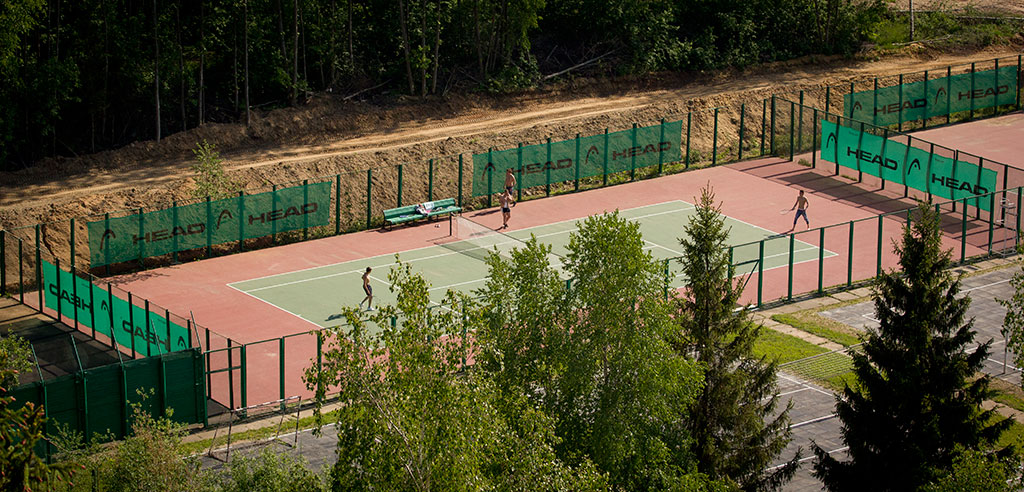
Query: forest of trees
x: 82, y: 76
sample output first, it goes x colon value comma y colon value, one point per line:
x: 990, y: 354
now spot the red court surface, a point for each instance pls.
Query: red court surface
x: 999, y: 139
x: 753, y: 191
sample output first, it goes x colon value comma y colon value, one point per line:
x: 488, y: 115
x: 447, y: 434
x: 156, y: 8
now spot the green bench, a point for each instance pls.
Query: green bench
x: 409, y: 213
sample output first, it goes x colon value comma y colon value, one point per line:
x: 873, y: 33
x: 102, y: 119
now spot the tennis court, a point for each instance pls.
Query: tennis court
x: 457, y: 262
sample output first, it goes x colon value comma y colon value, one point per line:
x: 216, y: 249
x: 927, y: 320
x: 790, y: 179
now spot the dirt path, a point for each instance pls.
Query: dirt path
x: 149, y: 173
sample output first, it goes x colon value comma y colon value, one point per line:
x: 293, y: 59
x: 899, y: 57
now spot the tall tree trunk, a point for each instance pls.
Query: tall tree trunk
x: 295, y: 54
x: 351, y: 54
x: 476, y: 38
x: 423, y: 45
x: 437, y: 48
x: 405, y: 46
x: 245, y: 28
x: 181, y: 66
x: 234, y: 64
x: 202, y: 62
x: 156, y: 69
x: 280, y: 31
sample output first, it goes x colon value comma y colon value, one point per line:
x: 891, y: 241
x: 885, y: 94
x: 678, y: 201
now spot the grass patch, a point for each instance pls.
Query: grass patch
x: 1007, y: 394
x: 1013, y: 435
x: 256, y: 434
x: 813, y: 323
x: 784, y: 348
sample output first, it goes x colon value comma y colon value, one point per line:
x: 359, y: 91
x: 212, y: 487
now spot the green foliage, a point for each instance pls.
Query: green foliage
x: 916, y: 397
x: 150, y: 459
x: 1013, y: 321
x: 596, y: 356
x: 414, y: 417
x: 736, y: 429
x: 210, y: 178
x: 82, y: 77
x: 978, y: 472
x: 269, y: 471
x: 15, y: 358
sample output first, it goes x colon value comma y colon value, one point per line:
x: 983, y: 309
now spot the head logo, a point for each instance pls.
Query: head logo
x: 857, y: 107
x: 591, y: 151
x: 915, y: 164
x: 107, y: 233
x: 939, y: 93
x: 832, y: 140
x: 224, y: 213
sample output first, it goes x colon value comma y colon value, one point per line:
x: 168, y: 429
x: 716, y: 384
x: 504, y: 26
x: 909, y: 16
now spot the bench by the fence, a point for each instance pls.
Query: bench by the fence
x: 426, y: 210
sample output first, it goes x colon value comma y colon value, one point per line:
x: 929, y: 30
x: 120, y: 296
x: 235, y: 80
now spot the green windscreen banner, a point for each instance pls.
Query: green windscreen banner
x: 203, y: 224
x: 896, y: 162
x: 95, y: 307
x: 567, y: 160
x: 933, y: 97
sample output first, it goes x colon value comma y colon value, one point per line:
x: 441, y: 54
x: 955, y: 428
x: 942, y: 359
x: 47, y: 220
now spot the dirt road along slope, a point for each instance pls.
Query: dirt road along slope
x: 329, y: 136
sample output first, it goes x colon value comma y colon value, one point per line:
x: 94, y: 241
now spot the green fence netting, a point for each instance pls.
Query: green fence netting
x: 907, y: 165
x: 135, y: 327
x: 568, y: 160
x: 98, y: 401
x: 198, y: 225
x: 936, y: 97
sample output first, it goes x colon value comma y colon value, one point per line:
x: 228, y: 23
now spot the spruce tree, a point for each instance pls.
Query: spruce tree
x: 734, y: 433
x: 916, y: 398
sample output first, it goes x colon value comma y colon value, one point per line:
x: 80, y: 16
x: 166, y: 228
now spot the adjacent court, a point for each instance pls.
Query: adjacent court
x: 457, y: 262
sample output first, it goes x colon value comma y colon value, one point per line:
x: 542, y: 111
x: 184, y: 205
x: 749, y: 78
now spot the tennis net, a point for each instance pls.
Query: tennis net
x: 479, y: 241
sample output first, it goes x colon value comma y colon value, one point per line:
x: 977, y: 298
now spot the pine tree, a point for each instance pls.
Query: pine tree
x: 734, y: 434
x: 915, y: 400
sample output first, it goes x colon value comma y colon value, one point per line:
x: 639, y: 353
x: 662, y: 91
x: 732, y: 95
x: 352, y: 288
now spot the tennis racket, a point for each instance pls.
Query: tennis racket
x: 784, y: 211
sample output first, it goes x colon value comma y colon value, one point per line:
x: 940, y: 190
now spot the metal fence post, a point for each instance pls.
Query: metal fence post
x: 949, y: 106
x: 490, y: 175
x: 963, y: 233
x: 337, y: 204
x: 399, y: 186
x: 849, y: 261
x: 209, y: 228
x: 739, y: 152
x: 789, y: 282
x: 547, y: 170
x: 241, y: 221
x: 714, y: 142
x: 878, y: 253
x: 970, y: 115
x: 280, y: 377
x: 764, y: 115
x: 369, y: 196
x: 760, y: 272
x: 792, y: 115
x: 273, y: 206
x: 661, y: 138
x: 430, y: 188
x: 72, y: 241
x: 39, y: 268
x: 605, y: 173
x: 899, y: 112
x: 460, y: 180
x: 771, y: 146
x: 874, y: 107
x: 632, y: 154
x: 821, y: 260
x: 800, y: 124
x: 576, y: 174
x: 925, y: 116
x: 814, y: 139
x: 689, y: 120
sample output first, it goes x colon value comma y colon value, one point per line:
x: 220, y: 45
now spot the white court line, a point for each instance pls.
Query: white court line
x: 813, y: 421
x: 986, y: 285
x: 798, y: 381
x: 432, y: 256
x: 276, y: 306
x: 801, y: 390
x: 691, y: 207
x: 656, y: 245
x: 807, y: 458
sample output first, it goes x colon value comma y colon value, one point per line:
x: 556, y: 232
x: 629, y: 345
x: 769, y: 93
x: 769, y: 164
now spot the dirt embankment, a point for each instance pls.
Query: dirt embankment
x: 328, y: 135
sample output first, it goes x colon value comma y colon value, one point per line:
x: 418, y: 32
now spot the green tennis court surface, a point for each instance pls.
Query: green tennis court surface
x: 318, y: 294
